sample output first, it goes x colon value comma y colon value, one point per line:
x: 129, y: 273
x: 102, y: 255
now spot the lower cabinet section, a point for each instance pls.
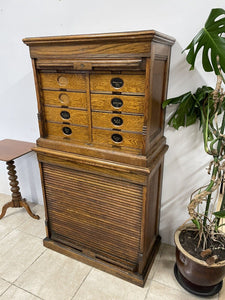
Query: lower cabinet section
x: 101, y: 212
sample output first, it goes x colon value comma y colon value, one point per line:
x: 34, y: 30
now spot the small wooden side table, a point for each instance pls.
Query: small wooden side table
x: 9, y: 151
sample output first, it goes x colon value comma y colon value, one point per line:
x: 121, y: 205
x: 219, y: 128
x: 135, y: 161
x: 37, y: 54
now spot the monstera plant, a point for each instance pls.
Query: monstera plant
x: 200, y: 243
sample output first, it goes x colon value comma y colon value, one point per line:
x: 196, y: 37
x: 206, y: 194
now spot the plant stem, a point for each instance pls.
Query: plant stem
x: 214, y: 172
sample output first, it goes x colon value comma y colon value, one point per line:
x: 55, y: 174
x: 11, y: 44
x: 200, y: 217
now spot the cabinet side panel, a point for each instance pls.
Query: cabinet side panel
x: 152, y: 210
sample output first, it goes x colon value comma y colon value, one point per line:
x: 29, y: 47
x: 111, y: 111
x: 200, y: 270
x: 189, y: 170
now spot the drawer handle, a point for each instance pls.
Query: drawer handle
x: 65, y: 114
x: 117, y: 121
x: 64, y: 99
x: 117, y: 82
x: 67, y: 130
x: 117, y: 138
x: 62, y: 80
x: 117, y: 102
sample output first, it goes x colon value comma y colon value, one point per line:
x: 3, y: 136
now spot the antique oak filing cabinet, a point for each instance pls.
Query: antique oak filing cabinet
x: 101, y: 145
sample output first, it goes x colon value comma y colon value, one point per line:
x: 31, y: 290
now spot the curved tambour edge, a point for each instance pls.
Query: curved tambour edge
x: 101, y: 145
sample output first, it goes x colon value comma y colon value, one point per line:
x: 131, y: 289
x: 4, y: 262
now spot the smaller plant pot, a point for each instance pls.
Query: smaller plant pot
x: 195, y: 275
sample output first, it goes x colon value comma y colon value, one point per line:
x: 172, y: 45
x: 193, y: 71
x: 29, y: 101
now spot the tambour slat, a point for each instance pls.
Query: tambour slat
x: 89, y: 237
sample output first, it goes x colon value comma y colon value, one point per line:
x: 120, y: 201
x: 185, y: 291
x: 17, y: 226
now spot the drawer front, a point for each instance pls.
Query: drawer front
x: 118, y: 83
x: 76, y: 100
x: 130, y: 104
x: 72, y: 116
x: 117, y: 138
x: 118, y: 121
x: 64, y: 131
x: 94, y: 212
x: 63, y: 81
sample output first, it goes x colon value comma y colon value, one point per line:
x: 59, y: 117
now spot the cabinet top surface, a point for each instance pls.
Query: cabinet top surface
x: 147, y: 35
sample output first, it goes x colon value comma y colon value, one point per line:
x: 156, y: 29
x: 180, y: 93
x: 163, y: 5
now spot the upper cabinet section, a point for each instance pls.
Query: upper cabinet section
x: 102, y: 92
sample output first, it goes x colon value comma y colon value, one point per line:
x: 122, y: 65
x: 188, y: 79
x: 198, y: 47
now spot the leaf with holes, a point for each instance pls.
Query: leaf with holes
x: 211, y: 41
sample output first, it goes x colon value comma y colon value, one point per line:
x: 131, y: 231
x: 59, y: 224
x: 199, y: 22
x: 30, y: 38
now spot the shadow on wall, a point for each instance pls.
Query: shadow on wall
x: 29, y: 178
x: 185, y: 162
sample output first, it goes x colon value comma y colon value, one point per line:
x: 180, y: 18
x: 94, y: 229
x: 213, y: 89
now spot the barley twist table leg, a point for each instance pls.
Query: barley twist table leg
x: 17, y: 200
x: 16, y: 195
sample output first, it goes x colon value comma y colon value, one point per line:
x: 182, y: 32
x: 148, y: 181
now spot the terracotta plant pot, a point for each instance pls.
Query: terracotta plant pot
x: 195, y: 275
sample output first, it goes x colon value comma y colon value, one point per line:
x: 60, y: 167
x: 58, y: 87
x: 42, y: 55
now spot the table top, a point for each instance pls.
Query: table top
x: 12, y: 149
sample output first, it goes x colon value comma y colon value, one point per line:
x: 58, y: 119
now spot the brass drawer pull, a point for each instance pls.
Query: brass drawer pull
x: 65, y: 114
x: 117, y: 121
x: 117, y: 102
x: 67, y: 130
x: 117, y: 138
x: 117, y: 82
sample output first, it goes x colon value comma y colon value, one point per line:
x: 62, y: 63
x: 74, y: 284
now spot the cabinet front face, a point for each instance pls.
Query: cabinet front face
x: 94, y: 213
x: 97, y: 108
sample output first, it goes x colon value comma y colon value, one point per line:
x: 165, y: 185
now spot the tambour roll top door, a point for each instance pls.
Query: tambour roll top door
x: 97, y: 213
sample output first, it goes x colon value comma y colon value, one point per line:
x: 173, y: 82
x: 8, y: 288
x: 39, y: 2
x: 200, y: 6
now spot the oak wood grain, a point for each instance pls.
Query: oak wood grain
x: 101, y: 145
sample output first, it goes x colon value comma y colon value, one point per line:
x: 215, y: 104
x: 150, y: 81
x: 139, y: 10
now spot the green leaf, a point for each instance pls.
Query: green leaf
x: 197, y: 224
x: 209, y: 38
x: 176, y: 100
x: 219, y: 214
x: 190, y: 107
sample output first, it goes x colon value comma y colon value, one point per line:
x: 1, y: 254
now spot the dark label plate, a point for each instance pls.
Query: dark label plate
x: 67, y: 130
x: 117, y: 82
x: 65, y: 114
x: 117, y: 102
x: 117, y: 138
x: 117, y: 121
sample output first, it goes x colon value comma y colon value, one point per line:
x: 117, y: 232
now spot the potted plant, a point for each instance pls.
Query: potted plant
x: 200, y: 243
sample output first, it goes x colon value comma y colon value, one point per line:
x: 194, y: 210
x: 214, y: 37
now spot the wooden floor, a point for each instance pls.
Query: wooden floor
x: 29, y: 271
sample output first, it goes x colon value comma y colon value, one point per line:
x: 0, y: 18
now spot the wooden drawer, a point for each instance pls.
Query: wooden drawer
x: 119, y: 121
x: 63, y: 81
x: 118, y: 83
x: 131, y: 104
x: 64, y: 131
x: 71, y: 99
x: 117, y: 138
x: 72, y: 116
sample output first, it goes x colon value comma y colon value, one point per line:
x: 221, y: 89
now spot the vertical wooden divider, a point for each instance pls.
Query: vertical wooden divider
x: 88, y: 95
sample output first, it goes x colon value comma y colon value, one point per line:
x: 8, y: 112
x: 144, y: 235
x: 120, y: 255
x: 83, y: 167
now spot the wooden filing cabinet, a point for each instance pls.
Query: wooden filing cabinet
x: 101, y: 145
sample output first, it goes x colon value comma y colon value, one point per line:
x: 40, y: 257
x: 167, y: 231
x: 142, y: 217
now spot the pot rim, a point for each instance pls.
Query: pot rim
x: 199, y: 261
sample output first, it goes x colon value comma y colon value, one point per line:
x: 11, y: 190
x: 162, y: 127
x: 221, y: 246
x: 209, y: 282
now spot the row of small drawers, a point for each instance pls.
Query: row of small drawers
x: 99, y: 102
x: 100, y: 120
x: 99, y: 136
x: 132, y: 83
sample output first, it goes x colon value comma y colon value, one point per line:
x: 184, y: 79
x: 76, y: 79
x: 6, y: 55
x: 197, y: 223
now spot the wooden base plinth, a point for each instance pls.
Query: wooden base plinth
x: 135, y: 278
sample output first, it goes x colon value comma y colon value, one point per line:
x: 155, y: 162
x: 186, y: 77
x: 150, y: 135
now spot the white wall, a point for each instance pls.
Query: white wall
x: 185, y: 161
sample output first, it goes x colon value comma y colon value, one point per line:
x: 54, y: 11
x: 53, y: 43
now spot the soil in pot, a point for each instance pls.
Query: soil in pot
x: 189, y: 240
